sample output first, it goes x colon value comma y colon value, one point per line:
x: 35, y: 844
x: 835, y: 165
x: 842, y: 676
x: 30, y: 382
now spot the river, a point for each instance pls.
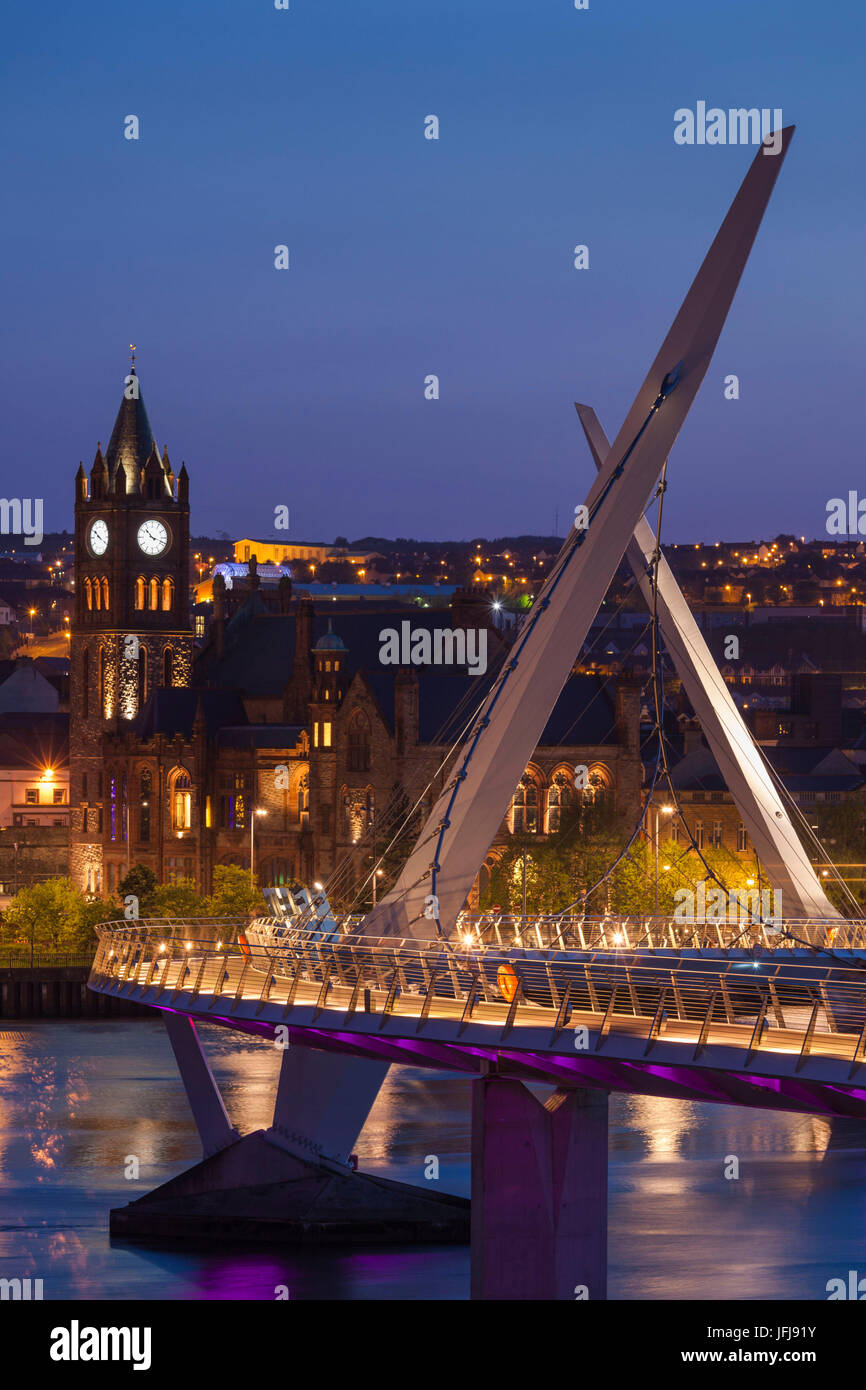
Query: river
x: 77, y: 1099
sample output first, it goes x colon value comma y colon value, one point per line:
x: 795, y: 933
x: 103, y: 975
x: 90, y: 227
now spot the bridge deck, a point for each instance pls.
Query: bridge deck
x: 784, y: 1031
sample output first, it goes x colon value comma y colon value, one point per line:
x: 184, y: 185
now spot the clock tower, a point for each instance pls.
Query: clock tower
x: 131, y: 630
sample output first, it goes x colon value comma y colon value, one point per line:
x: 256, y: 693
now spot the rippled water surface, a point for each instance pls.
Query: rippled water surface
x: 76, y: 1099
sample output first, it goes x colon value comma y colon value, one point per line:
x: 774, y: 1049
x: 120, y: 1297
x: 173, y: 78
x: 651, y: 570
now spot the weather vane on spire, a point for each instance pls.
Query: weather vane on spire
x: 132, y: 350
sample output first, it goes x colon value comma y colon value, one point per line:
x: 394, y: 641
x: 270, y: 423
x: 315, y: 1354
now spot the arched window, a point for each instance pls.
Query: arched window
x: 145, y: 785
x: 139, y: 592
x: 154, y: 593
x: 524, y: 807
x: 359, y: 744
x: 167, y: 666
x: 167, y: 594
x: 180, y: 799
x: 597, y: 785
x: 557, y: 800
x: 88, y: 592
x: 97, y: 594
x: 85, y: 685
x: 105, y: 594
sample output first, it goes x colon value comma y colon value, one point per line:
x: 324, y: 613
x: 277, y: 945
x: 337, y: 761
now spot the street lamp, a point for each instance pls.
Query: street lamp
x: 664, y: 811
x: 377, y: 874
x: 257, y: 812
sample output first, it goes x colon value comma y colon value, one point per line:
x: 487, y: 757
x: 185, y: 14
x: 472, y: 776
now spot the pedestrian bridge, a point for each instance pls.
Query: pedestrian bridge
x: 773, y: 1016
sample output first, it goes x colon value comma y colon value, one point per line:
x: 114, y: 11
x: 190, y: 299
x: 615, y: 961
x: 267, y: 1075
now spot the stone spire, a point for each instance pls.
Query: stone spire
x: 131, y: 439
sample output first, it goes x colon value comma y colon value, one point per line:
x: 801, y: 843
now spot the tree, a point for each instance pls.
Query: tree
x: 94, y: 912
x: 178, y: 900
x: 140, y: 882
x: 233, y: 895
x: 336, y: 572
x: 47, y: 916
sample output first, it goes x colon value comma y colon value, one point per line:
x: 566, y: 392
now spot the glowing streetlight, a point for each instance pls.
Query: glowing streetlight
x: 257, y: 812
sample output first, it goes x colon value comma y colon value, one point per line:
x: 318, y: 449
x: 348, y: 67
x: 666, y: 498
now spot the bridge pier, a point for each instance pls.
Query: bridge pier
x: 276, y: 1185
x: 323, y: 1100
x: 539, y: 1192
x: 212, y: 1122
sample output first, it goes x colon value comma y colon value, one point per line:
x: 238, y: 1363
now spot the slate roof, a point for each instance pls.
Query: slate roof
x: 260, y: 736
x: 171, y: 711
x: 799, y: 768
x: 260, y: 648
x: 132, y: 438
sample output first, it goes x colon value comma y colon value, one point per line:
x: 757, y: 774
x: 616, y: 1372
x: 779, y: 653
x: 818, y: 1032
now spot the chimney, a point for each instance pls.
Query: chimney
x: 470, y: 607
x: 817, y: 697
x: 628, y: 713
x: 693, y: 738
x: 299, y: 688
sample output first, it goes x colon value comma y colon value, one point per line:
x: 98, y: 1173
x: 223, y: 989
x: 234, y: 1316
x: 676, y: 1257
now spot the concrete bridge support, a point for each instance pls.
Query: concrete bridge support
x: 213, y: 1124
x: 323, y: 1100
x: 276, y: 1185
x: 539, y: 1192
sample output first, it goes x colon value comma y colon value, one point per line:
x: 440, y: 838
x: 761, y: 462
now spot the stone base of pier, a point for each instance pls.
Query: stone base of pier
x: 256, y: 1191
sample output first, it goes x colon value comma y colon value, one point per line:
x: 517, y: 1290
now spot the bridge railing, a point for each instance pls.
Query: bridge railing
x: 486, y: 931
x: 777, y: 1004
x: 657, y: 933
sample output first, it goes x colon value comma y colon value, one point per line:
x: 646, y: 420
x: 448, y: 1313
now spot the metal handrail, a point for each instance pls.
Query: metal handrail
x: 606, y: 935
x: 818, y: 1004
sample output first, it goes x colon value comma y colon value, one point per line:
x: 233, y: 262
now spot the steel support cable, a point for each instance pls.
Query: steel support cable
x: 334, y: 882
x: 785, y: 932
x: 658, y: 694
x: 784, y: 795
x: 668, y: 385
x: 345, y: 864
x: 658, y: 689
x: 660, y: 491
x: 794, y: 811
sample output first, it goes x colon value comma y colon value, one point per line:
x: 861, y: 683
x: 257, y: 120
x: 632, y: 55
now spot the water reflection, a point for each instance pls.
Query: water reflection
x: 76, y: 1100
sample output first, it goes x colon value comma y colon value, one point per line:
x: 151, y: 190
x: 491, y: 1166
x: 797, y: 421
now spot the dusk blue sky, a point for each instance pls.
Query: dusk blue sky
x: 409, y: 256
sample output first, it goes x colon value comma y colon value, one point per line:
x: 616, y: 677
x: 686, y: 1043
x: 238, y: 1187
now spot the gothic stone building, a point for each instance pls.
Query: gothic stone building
x: 130, y: 634
x: 286, y: 738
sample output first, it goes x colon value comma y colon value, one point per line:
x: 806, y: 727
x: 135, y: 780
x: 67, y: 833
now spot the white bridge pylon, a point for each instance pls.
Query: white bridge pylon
x: 442, y: 867
x: 764, y: 814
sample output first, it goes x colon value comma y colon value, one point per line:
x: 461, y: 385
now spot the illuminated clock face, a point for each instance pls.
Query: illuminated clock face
x: 98, y: 538
x: 152, y: 537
